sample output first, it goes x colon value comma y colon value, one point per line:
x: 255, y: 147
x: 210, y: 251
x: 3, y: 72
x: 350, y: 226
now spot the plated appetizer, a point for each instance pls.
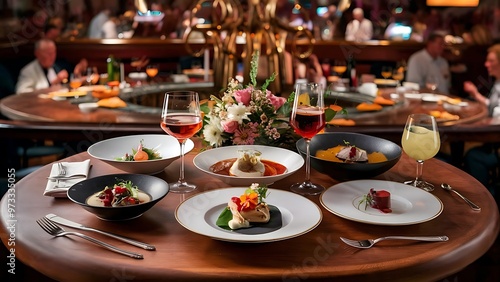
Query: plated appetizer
x: 250, y: 210
x: 123, y: 193
x: 140, y: 154
x: 248, y: 164
x: 380, y: 200
x: 348, y: 153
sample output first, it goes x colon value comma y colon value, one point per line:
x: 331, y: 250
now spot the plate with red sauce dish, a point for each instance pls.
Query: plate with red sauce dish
x: 409, y: 205
x: 289, y: 160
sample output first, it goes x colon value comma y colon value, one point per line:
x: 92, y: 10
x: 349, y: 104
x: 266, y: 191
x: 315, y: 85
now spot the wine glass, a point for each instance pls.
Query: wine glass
x: 75, y: 81
x: 431, y: 83
x: 386, y: 72
x: 339, y: 67
x: 152, y: 71
x: 398, y: 75
x: 181, y: 118
x: 307, y: 119
x: 420, y: 142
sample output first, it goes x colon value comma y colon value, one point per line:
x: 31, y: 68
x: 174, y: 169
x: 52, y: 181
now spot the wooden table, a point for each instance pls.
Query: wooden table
x: 317, y: 255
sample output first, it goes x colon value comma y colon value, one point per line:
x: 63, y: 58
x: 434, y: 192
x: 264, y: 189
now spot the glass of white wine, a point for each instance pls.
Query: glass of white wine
x: 420, y: 142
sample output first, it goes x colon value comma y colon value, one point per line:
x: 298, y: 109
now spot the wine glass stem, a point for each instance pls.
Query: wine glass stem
x: 420, y: 166
x: 308, y: 160
x: 181, y: 175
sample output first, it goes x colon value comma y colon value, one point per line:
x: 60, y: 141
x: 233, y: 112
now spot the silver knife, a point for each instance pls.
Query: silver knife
x: 73, y: 224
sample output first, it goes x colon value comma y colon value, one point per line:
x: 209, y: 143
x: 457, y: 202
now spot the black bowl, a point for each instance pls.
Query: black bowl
x: 351, y: 171
x: 154, y: 186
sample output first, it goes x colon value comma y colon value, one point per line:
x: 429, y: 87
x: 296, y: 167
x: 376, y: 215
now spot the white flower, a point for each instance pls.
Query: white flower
x: 213, y: 135
x: 237, y: 113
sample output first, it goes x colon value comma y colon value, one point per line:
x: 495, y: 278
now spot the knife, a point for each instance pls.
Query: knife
x: 73, y: 224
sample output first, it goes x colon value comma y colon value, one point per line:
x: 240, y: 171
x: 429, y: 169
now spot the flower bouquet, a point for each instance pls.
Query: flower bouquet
x: 248, y: 115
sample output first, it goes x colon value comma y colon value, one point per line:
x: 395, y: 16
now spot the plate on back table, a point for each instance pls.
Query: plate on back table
x: 167, y: 146
x: 409, y: 205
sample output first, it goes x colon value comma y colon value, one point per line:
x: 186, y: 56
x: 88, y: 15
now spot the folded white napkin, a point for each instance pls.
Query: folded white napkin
x: 58, y: 188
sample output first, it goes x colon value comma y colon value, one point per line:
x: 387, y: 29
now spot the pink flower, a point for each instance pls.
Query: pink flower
x: 275, y: 100
x: 229, y: 126
x: 246, y: 135
x: 243, y: 96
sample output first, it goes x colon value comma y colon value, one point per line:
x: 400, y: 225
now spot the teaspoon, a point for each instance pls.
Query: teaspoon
x: 471, y: 204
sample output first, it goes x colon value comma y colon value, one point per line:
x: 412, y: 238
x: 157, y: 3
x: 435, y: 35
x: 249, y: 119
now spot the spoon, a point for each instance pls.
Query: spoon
x: 471, y: 204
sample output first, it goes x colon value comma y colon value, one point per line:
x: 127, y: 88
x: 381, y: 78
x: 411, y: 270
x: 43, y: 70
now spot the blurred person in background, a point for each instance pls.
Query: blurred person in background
x: 480, y: 160
x: 360, y: 28
x: 44, y: 71
x: 428, y: 64
x: 97, y: 22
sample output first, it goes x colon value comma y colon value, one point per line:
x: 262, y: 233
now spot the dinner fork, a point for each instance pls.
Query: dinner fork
x: 62, y: 170
x: 55, y: 230
x: 365, y: 244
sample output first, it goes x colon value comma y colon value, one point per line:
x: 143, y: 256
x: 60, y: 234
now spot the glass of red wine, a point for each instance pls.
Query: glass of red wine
x: 181, y: 118
x: 308, y: 118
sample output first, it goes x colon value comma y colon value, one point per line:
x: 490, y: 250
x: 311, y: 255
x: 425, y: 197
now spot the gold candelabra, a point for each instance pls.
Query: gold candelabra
x: 262, y: 32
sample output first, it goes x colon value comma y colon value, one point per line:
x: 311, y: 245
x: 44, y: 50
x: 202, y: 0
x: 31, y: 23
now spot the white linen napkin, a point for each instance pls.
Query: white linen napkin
x: 59, y: 188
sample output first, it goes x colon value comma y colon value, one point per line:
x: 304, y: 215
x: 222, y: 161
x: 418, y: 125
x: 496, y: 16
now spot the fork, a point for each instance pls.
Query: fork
x: 62, y: 170
x: 55, y: 230
x: 365, y: 244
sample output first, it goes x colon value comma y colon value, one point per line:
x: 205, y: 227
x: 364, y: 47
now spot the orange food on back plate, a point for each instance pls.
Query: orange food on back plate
x: 366, y: 107
x: 342, y: 122
x: 106, y: 93
x: 383, y: 101
x: 336, y: 107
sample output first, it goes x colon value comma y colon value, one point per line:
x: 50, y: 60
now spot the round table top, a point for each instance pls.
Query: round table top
x: 316, y: 255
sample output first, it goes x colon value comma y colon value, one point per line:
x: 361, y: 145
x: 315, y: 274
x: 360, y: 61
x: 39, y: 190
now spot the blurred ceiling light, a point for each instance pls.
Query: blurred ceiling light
x: 454, y: 3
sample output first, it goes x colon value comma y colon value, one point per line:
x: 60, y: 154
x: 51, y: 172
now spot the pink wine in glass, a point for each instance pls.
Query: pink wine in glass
x: 308, y: 121
x: 182, y: 126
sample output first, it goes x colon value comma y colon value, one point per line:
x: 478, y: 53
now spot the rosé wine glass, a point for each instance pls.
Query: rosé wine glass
x: 181, y: 118
x: 307, y: 119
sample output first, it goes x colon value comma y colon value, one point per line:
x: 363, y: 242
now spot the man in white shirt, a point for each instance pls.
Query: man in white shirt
x: 428, y: 65
x: 43, y: 71
x: 97, y: 23
x: 360, y: 28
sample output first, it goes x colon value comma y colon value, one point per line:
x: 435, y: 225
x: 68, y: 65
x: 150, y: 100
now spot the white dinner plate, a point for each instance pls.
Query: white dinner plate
x: 409, y: 205
x: 200, y: 212
x: 433, y: 98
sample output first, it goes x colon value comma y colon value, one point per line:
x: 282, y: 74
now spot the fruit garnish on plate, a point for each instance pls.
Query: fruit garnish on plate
x: 141, y: 154
x: 380, y: 200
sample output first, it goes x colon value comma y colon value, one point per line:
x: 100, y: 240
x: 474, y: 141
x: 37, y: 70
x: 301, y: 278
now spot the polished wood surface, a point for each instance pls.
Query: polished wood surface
x: 317, y: 255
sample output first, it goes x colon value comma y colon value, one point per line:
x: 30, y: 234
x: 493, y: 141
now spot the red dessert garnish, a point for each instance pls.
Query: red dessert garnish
x: 380, y: 200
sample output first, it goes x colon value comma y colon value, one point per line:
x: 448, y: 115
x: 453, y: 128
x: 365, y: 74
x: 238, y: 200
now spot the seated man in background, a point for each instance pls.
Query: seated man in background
x: 360, y: 28
x: 43, y: 71
x: 427, y: 66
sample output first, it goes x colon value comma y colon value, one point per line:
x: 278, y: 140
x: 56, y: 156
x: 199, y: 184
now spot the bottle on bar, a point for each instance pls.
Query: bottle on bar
x: 111, y: 67
x: 351, y: 72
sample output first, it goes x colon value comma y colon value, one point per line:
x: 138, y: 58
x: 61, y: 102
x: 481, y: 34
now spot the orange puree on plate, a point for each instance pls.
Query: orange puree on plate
x: 331, y: 155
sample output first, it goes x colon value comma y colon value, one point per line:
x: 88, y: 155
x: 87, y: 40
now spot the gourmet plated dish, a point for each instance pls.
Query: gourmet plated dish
x: 249, y: 210
x: 248, y: 164
x: 141, y: 154
x: 380, y: 200
x: 348, y: 153
x: 123, y: 193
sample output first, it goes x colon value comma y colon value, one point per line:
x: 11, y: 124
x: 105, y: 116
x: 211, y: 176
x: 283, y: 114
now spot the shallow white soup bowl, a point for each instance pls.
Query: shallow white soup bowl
x: 290, y: 159
x: 110, y: 149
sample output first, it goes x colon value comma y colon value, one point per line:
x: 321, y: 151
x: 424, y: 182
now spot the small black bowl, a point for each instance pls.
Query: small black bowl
x: 351, y: 171
x: 152, y: 185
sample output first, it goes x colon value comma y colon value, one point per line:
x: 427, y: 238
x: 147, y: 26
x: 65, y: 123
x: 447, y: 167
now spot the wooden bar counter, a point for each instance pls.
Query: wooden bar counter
x: 318, y: 255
